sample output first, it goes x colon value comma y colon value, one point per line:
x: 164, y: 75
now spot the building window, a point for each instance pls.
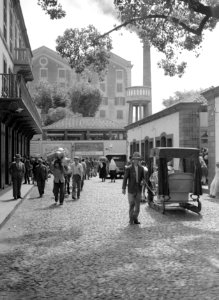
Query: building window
x: 43, y: 73
x: 61, y: 73
x: 103, y: 86
x: 5, y: 89
x: 120, y: 101
x: 119, y: 74
x: 104, y: 101
x: 119, y: 114
x: 11, y: 29
x: 119, y: 87
x: 43, y: 61
x: 15, y: 36
x: 102, y: 113
x: 5, y: 21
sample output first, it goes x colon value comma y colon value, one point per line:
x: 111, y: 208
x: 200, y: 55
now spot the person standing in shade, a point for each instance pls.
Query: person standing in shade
x: 28, y: 168
x: 17, y: 171
x: 112, y: 170
x: 88, y: 168
x: 57, y: 168
x: 84, y: 172
x: 143, y: 196
x: 41, y: 175
x: 77, y: 175
x: 102, y: 170
x: 135, y: 177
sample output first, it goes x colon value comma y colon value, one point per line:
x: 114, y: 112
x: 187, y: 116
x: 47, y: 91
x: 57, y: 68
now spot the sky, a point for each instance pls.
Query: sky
x: 201, y: 72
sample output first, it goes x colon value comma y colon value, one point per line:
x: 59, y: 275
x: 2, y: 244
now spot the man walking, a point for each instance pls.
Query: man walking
x: 28, y: 168
x: 41, y: 175
x: 135, y: 176
x: 17, y: 171
x: 77, y: 174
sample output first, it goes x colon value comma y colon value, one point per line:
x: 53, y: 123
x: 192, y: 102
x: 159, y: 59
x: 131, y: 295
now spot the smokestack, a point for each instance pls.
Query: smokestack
x: 146, y: 64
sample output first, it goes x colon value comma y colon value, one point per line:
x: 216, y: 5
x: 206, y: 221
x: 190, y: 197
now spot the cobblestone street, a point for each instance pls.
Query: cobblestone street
x: 85, y: 249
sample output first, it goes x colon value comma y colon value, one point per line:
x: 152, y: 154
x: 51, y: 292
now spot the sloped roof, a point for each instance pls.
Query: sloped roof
x: 45, y: 50
x: 83, y: 123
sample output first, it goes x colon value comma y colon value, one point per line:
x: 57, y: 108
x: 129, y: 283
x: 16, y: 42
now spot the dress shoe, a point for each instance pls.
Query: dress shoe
x: 136, y: 222
x: 73, y: 198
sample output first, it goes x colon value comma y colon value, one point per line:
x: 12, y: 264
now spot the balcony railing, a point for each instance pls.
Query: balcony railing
x: 23, y: 63
x: 22, y: 56
x: 13, y: 86
x: 138, y: 93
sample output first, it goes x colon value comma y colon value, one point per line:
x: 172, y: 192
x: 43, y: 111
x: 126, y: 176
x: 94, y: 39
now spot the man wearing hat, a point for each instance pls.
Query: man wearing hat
x: 77, y: 174
x: 17, y: 170
x: 135, y: 176
x: 41, y: 175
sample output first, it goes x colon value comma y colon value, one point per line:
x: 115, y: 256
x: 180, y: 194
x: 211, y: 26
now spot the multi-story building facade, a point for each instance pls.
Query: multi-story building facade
x: 121, y: 102
x: 19, y: 118
x: 49, y: 66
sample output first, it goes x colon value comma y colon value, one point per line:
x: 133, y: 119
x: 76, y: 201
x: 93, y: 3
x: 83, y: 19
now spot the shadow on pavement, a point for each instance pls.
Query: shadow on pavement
x: 213, y: 200
x: 9, y: 200
x: 173, y: 214
x: 46, y: 238
x: 52, y: 206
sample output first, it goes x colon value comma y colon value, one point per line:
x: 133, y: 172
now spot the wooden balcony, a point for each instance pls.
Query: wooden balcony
x: 23, y: 63
x: 16, y: 102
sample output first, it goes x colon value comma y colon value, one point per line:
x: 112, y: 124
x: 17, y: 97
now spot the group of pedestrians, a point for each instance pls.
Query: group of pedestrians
x: 23, y: 168
x: 76, y: 173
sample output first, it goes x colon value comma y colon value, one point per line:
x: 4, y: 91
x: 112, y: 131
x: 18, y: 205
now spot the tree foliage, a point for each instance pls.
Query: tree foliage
x: 185, y: 96
x: 84, y: 49
x: 42, y: 96
x: 52, y: 8
x: 47, y: 96
x: 56, y: 114
x: 84, y: 99
x: 169, y: 25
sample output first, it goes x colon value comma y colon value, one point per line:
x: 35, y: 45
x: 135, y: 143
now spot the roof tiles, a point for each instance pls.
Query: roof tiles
x: 79, y: 123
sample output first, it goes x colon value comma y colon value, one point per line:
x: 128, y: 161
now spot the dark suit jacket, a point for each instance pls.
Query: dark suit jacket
x: 41, y: 172
x: 130, y: 177
x: 17, y: 172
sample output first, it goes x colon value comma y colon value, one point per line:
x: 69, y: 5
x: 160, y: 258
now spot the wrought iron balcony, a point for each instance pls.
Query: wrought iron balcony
x: 23, y: 63
x: 15, y: 98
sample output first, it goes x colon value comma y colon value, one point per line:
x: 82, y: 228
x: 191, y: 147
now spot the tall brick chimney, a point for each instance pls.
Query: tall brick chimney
x: 147, y: 71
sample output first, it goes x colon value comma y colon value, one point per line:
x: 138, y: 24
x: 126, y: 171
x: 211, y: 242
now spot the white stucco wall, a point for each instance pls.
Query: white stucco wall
x: 203, y: 119
x: 216, y: 129
x: 168, y: 124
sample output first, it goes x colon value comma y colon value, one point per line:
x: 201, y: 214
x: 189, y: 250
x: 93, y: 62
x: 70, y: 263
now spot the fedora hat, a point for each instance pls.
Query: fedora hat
x: 136, y: 155
x: 18, y: 156
x: 76, y: 157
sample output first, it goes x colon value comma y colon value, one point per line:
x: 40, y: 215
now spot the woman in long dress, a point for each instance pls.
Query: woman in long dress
x: 214, y: 187
x: 112, y: 170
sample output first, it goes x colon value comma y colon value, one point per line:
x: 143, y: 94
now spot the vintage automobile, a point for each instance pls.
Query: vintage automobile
x: 174, y: 178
